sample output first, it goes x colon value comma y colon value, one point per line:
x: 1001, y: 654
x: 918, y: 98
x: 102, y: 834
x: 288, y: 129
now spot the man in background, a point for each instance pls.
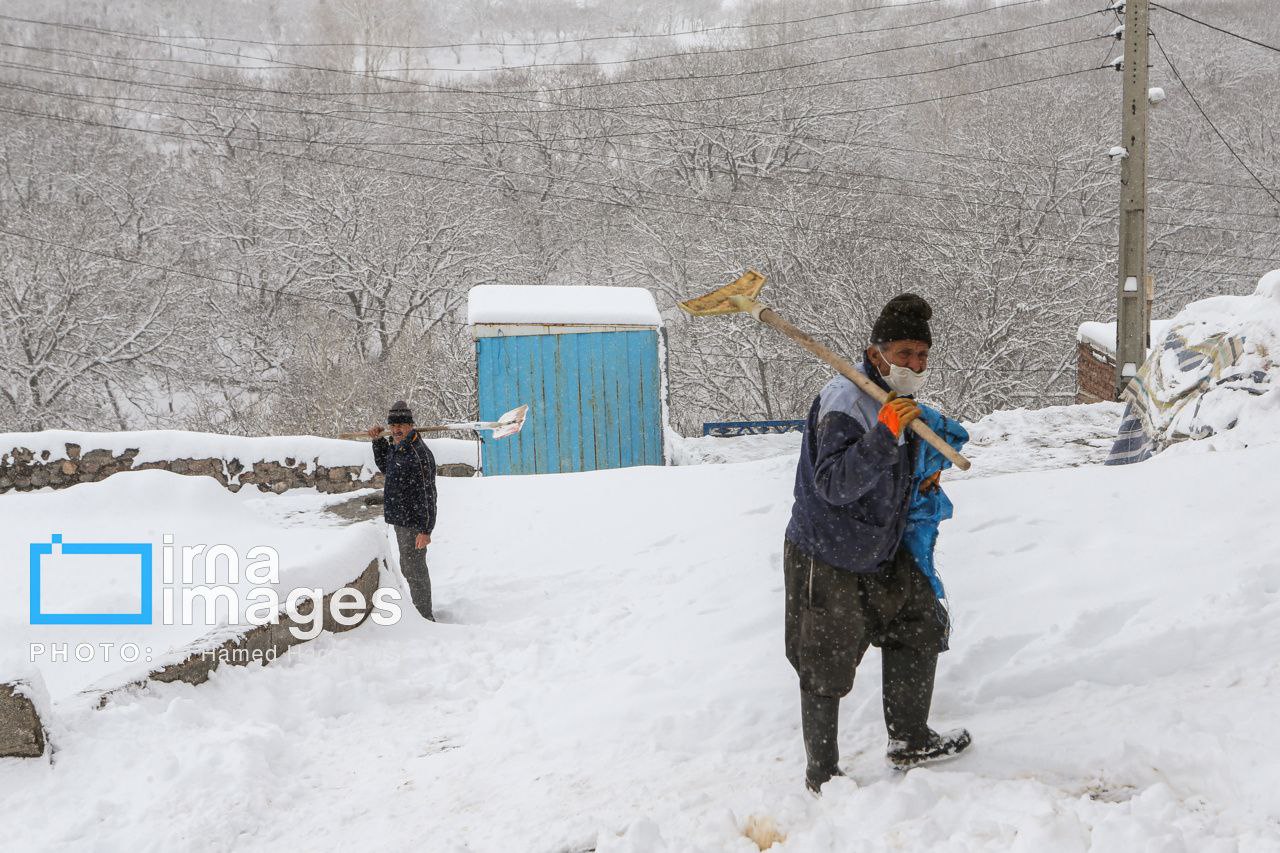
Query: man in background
x: 409, y: 497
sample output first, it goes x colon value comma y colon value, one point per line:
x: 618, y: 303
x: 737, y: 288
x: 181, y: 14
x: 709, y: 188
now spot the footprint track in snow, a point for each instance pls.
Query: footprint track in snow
x: 992, y: 522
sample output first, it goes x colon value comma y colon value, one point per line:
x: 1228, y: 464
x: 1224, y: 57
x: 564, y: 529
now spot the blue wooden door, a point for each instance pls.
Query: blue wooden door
x: 594, y: 401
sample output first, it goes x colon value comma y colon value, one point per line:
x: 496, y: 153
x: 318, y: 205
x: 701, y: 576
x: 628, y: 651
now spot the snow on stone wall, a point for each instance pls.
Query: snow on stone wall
x: 60, y: 458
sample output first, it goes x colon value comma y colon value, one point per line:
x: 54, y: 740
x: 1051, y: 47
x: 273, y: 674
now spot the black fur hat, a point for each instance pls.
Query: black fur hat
x: 904, y: 318
x: 400, y: 413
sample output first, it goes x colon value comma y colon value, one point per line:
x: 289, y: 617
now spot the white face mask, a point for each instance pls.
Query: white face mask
x: 904, y: 380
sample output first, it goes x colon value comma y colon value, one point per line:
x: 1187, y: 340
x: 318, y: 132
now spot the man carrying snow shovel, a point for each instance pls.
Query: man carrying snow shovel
x: 409, y: 498
x: 851, y: 581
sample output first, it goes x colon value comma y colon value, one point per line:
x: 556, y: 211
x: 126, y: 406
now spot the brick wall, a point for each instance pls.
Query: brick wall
x: 1095, y: 375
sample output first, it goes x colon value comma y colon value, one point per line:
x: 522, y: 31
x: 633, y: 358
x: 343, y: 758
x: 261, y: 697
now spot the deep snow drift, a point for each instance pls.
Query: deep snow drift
x: 609, y: 676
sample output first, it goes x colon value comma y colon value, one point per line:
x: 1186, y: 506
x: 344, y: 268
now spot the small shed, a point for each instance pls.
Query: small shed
x: 587, y: 361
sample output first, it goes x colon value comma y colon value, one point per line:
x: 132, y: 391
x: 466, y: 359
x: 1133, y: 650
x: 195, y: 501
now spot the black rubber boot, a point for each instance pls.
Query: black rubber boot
x: 908, y: 693
x: 937, y: 747
x: 820, y: 723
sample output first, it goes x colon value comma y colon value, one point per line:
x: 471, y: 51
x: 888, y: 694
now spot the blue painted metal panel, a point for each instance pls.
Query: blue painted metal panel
x: 554, y: 410
x: 569, y: 392
x: 595, y: 400
x: 533, y: 451
x: 617, y: 382
x: 643, y: 361
x: 606, y: 391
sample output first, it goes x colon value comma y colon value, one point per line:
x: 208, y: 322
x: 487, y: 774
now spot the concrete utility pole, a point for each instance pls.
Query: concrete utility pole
x: 1133, y: 326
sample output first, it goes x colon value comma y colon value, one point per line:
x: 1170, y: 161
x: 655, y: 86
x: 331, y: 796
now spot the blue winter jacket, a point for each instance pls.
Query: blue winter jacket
x: 409, y: 486
x: 853, y: 481
x: 929, y: 510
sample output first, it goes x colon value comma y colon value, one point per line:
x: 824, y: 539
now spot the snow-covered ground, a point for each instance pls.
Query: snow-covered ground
x: 145, y: 506
x: 609, y: 676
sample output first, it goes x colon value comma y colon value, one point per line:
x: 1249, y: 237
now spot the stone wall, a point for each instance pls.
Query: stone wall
x: 22, y: 469
x: 21, y: 731
x: 260, y: 644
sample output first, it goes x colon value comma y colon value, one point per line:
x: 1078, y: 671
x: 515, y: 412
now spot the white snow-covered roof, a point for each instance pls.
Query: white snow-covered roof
x: 492, y: 304
x: 1102, y: 336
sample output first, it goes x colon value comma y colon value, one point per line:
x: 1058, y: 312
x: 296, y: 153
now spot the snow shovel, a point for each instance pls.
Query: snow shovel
x: 740, y: 296
x: 509, y: 424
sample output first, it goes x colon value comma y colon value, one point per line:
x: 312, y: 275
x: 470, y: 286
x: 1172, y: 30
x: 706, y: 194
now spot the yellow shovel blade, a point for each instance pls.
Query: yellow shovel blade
x: 721, y: 301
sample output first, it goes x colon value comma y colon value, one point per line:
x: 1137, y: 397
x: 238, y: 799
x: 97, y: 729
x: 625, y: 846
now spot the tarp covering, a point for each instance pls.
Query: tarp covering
x: 1206, y: 376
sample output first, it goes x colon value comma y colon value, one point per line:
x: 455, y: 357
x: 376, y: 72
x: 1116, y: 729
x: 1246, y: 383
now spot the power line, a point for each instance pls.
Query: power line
x: 1209, y: 121
x: 614, y: 155
x: 396, y: 153
x: 819, y: 85
x: 419, y: 113
x: 1025, y: 253
x: 464, y: 141
x: 574, y: 108
x: 554, y: 42
x: 160, y: 40
x: 486, y: 93
x: 608, y: 185
x: 794, y: 66
x: 889, y: 224
x: 270, y: 291
x: 631, y: 81
x: 616, y: 110
x: 224, y: 141
x: 1231, y: 33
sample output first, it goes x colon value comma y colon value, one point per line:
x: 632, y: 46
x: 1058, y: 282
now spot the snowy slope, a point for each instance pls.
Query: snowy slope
x: 610, y: 677
x: 144, y: 506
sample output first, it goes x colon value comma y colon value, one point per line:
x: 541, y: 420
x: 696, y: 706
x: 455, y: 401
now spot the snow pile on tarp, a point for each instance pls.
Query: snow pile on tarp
x: 166, y: 445
x: 1215, y: 374
x: 491, y: 304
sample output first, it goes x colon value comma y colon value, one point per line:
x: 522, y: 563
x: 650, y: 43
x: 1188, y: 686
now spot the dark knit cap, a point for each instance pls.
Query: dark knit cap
x: 905, y: 318
x: 400, y: 413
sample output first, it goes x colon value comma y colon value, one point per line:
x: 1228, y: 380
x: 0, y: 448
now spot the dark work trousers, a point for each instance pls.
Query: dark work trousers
x: 832, y: 616
x: 413, y: 565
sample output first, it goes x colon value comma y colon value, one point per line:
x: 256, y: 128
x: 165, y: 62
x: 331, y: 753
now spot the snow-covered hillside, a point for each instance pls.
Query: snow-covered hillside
x: 609, y: 676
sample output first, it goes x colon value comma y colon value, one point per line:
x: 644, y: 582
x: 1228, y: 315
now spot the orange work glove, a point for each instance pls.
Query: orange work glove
x: 897, y: 413
x: 929, y: 484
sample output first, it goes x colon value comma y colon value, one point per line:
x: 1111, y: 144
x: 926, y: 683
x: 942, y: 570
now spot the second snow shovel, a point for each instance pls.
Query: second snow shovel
x: 509, y: 424
x: 740, y: 296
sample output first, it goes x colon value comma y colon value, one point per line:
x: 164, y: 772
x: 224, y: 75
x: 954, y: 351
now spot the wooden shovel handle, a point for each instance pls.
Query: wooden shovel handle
x: 849, y: 371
